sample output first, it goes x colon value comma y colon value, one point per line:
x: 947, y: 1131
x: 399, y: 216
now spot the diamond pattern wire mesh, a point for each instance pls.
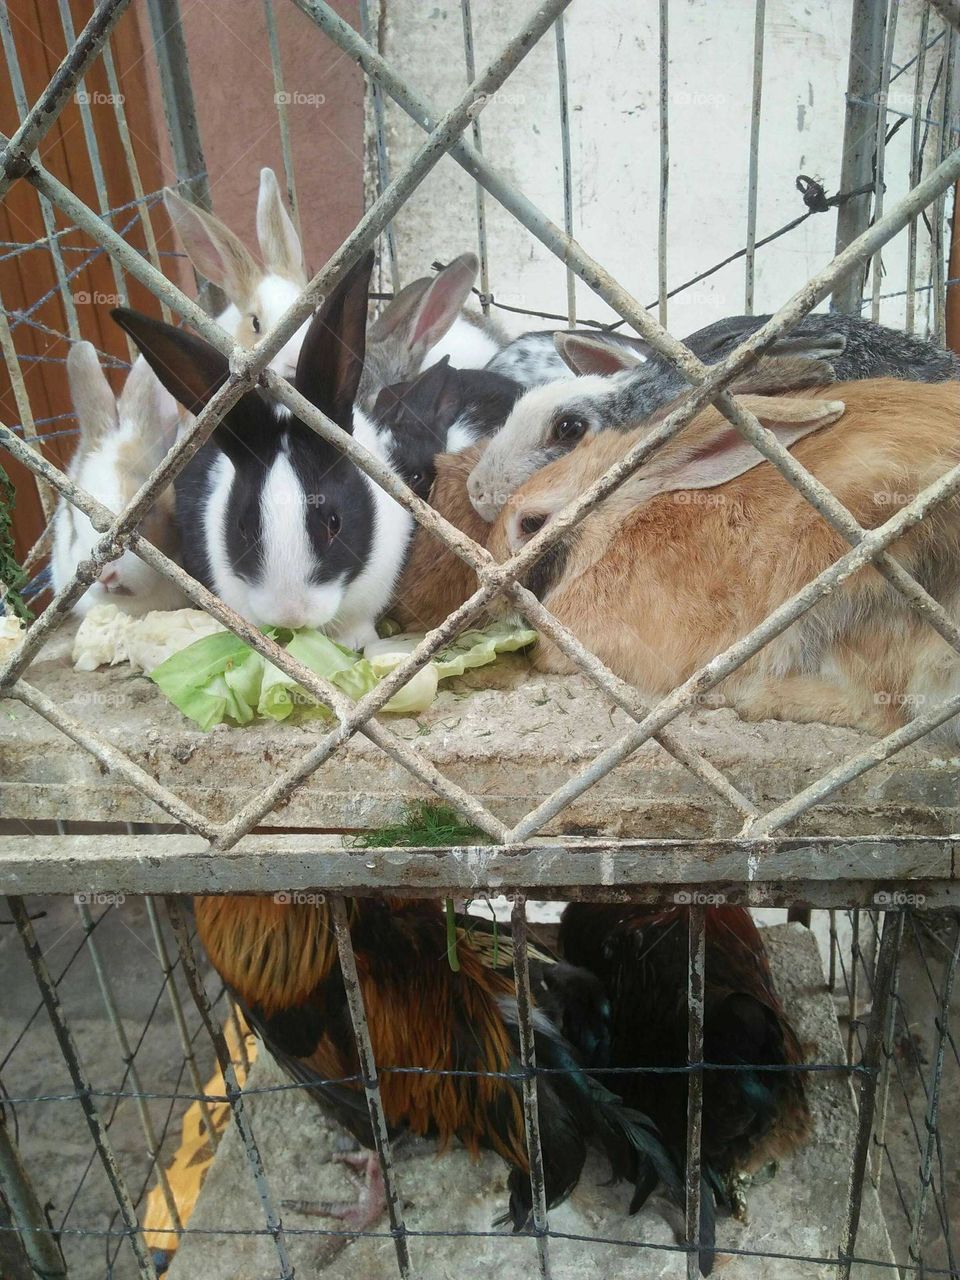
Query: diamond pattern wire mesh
x: 444, y: 135
x: 247, y: 367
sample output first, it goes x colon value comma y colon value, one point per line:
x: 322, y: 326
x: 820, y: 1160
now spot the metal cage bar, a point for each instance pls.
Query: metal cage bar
x: 867, y: 547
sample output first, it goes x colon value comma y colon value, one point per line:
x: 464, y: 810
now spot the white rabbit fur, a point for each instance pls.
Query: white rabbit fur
x: 121, y: 441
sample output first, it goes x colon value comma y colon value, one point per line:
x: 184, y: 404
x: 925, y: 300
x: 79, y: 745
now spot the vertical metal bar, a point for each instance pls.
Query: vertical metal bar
x: 280, y: 98
x: 82, y: 99
x: 567, y: 166
x: 933, y: 1105
x: 870, y: 1064
x: 84, y: 1088
x: 39, y: 1244
x: 859, y: 140
x: 126, y: 1054
x: 371, y: 1080
x: 176, y: 1008
x: 832, y: 973
x: 241, y: 1034
x: 466, y: 15
x: 180, y: 110
x: 664, y: 161
x: 528, y: 1060
x: 753, y: 172
x: 231, y: 1087
x: 696, y: 980
x: 879, y: 1136
x: 916, y: 167
x: 383, y: 158
x: 854, y: 991
x: 889, y: 41
x: 939, y: 274
x: 46, y: 208
x: 22, y: 399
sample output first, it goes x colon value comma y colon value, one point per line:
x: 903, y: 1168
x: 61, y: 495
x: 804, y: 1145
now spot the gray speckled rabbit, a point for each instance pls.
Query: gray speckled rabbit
x: 619, y: 390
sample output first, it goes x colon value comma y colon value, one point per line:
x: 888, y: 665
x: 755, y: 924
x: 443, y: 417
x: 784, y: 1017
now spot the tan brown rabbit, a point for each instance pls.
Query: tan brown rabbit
x: 435, y: 581
x: 704, y: 542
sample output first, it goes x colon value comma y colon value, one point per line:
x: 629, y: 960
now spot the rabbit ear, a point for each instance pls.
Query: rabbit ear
x: 148, y: 405
x: 213, y: 249
x: 279, y: 243
x: 190, y: 369
x: 422, y: 313
x: 810, y: 346
x: 593, y: 355
x: 193, y: 372
x: 435, y: 393
x: 711, y: 451
x: 93, y: 400
x: 331, y: 358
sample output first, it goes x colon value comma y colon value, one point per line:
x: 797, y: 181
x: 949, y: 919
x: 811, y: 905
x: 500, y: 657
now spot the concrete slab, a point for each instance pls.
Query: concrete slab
x: 506, y: 733
x: 800, y: 1211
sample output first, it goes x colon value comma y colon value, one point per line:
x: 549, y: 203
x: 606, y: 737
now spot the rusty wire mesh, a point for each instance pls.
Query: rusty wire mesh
x: 758, y: 857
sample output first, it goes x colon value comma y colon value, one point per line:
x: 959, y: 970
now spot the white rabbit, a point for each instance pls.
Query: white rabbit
x: 121, y: 441
x: 258, y: 294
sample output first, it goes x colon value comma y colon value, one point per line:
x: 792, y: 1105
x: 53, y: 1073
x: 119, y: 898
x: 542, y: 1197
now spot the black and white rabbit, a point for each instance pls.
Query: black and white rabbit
x: 533, y: 358
x: 442, y: 410
x: 283, y: 527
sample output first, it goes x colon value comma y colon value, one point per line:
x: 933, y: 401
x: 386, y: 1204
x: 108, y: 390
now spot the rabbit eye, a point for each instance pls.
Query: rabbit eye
x: 569, y: 429
x: 533, y: 523
x: 255, y: 321
x: 333, y: 524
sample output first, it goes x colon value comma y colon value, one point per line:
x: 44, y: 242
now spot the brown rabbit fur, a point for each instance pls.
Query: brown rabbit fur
x: 657, y: 590
x: 436, y: 581
x: 658, y: 585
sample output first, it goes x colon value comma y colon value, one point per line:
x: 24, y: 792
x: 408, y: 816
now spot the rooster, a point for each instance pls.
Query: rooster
x: 280, y: 960
x: 750, y: 1116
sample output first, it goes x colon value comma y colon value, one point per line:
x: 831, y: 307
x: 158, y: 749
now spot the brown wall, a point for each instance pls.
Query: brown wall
x: 233, y: 85
x: 28, y: 276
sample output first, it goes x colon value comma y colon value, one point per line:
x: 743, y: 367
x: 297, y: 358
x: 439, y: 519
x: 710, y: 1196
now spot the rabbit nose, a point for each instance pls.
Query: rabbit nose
x: 483, y: 502
x: 110, y: 577
x: 292, y: 616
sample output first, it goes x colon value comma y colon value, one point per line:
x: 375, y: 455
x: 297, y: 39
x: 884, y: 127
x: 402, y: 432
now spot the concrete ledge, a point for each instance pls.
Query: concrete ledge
x: 507, y: 734
x: 800, y: 1211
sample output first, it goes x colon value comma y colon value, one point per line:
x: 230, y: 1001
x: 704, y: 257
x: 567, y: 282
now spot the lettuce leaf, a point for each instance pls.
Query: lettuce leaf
x: 219, y: 678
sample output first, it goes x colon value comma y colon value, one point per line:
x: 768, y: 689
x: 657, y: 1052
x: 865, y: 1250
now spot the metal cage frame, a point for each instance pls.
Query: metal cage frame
x: 758, y: 866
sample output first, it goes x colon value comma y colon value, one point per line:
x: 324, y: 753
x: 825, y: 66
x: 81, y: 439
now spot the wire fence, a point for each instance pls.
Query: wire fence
x: 897, y: 977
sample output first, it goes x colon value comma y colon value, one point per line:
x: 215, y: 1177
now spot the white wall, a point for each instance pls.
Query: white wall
x: 612, y: 48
